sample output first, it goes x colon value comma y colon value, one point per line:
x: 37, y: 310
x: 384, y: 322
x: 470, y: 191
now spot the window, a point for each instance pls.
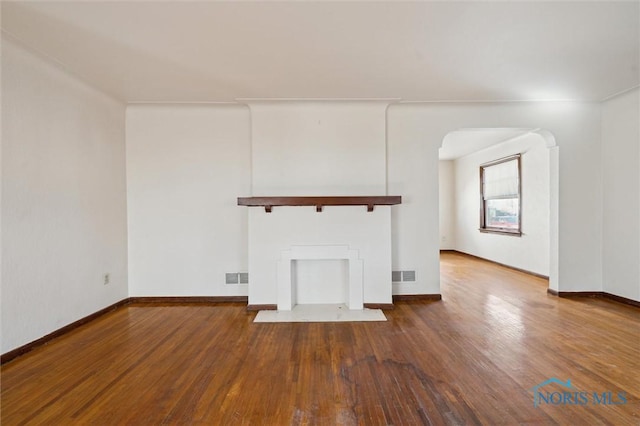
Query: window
x: 500, y: 196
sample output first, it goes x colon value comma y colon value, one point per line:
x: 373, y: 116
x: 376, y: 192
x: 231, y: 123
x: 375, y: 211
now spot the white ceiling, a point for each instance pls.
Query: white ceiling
x: 417, y: 51
x: 464, y: 142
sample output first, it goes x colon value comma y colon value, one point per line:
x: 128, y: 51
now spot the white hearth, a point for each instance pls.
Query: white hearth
x: 321, y: 313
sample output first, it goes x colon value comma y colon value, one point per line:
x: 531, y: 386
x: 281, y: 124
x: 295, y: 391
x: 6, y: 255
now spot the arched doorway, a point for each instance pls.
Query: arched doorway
x: 462, y: 153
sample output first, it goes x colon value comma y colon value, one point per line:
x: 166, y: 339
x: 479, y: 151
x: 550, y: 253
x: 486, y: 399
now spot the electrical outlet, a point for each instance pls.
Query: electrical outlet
x: 107, y: 278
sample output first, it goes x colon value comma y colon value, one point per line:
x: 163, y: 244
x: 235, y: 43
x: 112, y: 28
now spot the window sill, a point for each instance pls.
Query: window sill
x: 501, y: 231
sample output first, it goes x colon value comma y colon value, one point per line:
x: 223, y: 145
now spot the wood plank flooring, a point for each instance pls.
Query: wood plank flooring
x: 472, y: 358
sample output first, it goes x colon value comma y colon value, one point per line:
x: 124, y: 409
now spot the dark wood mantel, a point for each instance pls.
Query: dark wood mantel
x: 370, y: 201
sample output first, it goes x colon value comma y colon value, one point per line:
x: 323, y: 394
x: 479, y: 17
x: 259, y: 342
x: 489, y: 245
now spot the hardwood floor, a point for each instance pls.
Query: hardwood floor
x: 472, y: 358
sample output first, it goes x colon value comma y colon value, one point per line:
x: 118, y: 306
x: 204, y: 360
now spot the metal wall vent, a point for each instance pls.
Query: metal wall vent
x: 408, y: 275
x: 231, y: 278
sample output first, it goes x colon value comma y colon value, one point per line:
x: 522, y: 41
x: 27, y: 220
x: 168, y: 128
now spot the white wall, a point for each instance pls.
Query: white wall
x: 621, y: 195
x: 186, y: 166
x: 415, y: 133
x: 447, y: 206
x: 318, y: 148
x: 64, y: 204
x: 530, y: 251
x: 412, y: 170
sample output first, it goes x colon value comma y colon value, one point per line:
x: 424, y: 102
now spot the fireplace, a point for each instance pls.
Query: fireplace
x: 319, y: 228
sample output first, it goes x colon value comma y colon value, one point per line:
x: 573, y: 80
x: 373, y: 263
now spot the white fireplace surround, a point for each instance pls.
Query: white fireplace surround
x: 350, y: 235
x: 286, y: 286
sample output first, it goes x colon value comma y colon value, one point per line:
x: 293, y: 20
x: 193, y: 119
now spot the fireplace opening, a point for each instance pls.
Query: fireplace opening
x: 300, y: 266
x: 320, y: 281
